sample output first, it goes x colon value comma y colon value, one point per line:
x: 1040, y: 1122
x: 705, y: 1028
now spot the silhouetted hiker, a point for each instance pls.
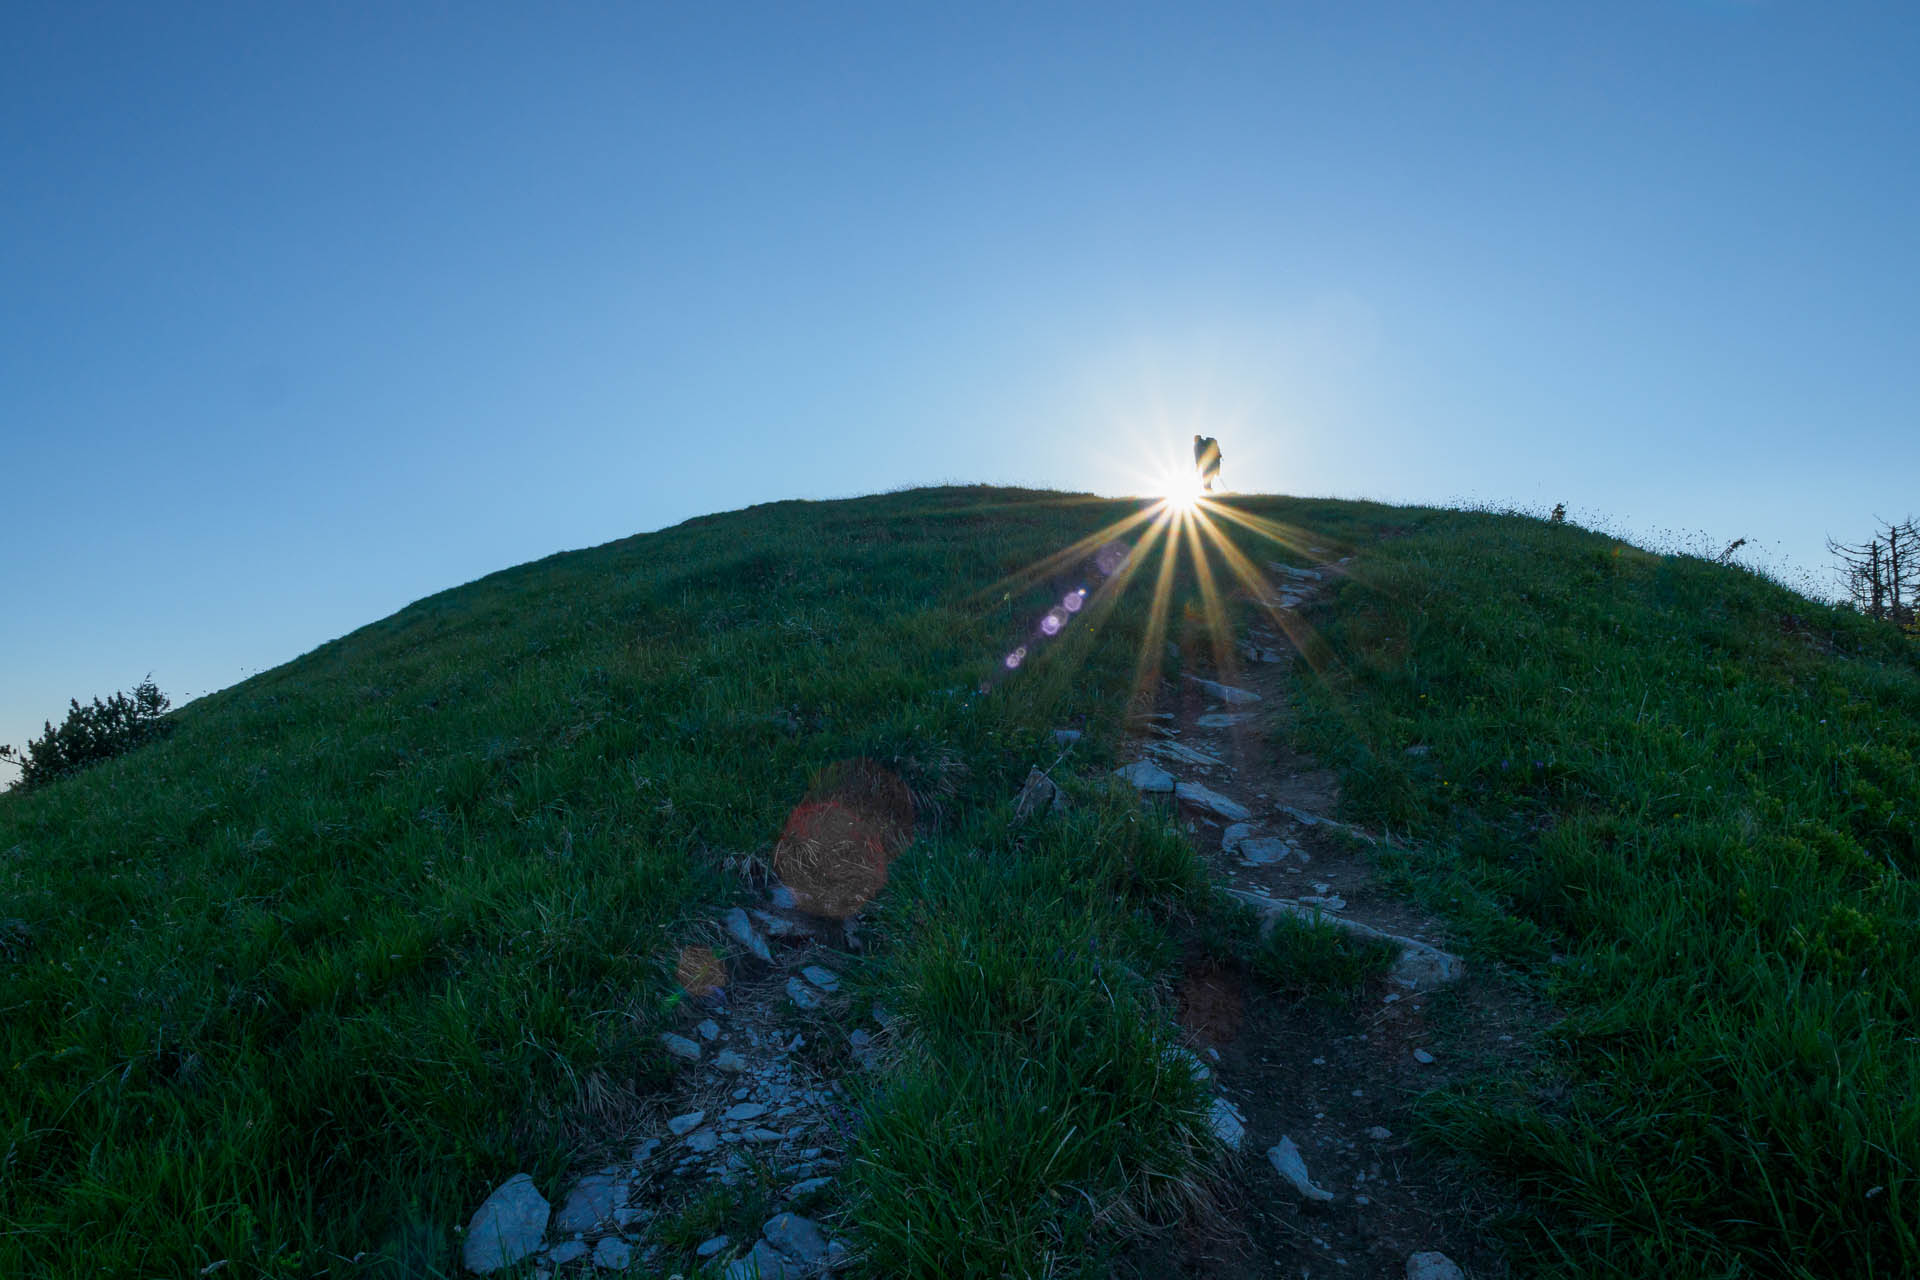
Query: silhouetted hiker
x: 1206, y: 459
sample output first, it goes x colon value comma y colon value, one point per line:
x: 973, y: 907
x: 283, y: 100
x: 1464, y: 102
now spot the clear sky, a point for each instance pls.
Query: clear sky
x: 307, y: 311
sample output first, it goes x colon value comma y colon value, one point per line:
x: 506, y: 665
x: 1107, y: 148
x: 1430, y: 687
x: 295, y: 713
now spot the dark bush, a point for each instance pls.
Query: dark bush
x: 91, y: 734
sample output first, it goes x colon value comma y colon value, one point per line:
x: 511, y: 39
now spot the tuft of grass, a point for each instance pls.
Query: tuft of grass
x: 1702, y: 791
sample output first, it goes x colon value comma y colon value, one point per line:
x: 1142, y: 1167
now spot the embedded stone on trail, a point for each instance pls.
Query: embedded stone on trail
x: 680, y: 1126
x: 1433, y: 1265
x: 566, y: 1251
x: 861, y: 1045
x: 1212, y: 801
x: 1228, y: 1125
x: 774, y: 926
x: 1179, y: 753
x: 507, y: 1226
x: 1421, y: 966
x: 825, y: 979
x: 741, y: 930
x: 590, y: 1203
x: 728, y: 1060
x: 1145, y: 776
x: 801, y: 994
x: 612, y: 1254
x: 710, y: 1247
x: 1224, y: 719
x: 797, y: 1237
x: 680, y: 1046
x: 1286, y: 1159
x: 1264, y: 851
x: 1230, y: 838
x: 1225, y: 692
x: 764, y: 1263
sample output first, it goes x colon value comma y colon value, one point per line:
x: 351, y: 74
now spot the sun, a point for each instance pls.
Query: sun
x: 1181, y: 490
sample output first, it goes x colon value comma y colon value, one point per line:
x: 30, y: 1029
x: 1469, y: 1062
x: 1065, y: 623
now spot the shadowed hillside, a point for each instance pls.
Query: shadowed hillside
x: 294, y: 988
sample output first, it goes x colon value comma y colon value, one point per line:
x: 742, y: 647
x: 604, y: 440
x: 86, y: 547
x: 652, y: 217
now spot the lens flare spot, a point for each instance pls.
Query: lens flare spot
x: 1051, y: 624
x: 1075, y: 599
x: 1017, y: 657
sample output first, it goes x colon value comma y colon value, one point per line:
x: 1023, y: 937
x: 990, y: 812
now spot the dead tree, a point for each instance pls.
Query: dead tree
x: 1881, y: 576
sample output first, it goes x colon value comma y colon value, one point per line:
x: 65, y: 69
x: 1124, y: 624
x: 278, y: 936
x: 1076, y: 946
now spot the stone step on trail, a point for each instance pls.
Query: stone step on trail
x: 1420, y: 967
x: 1225, y: 692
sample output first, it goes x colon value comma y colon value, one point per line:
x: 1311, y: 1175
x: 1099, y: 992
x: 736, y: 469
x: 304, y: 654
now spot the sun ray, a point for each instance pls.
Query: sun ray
x: 1298, y: 632
x: 1146, y: 676
x: 1218, y: 628
x: 1022, y: 578
x: 1288, y: 536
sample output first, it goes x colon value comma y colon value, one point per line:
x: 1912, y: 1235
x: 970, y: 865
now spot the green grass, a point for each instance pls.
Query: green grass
x: 1702, y: 790
x: 371, y: 931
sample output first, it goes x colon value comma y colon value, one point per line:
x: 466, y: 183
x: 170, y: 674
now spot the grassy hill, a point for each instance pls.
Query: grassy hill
x: 296, y: 986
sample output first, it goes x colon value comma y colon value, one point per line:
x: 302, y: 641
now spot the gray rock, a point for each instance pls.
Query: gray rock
x: 1066, y: 737
x: 1225, y: 692
x: 744, y: 1111
x: 1433, y: 1265
x: 797, y: 1237
x: 764, y: 1263
x: 1332, y: 902
x: 507, y: 1227
x: 1230, y: 838
x: 709, y: 1030
x: 782, y: 897
x: 1420, y: 967
x: 703, y: 1141
x: 1227, y: 1124
x: 808, y: 1187
x: 589, y: 1204
x: 1180, y: 753
x: 838, y: 1256
x: 1037, y: 795
x: 1379, y: 1133
x: 644, y: 1152
x: 613, y: 1254
x: 1286, y: 1158
x: 774, y: 926
x: 1145, y: 776
x: 860, y: 1043
x: 1263, y: 851
x: 1225, y: 719
x: 1212, y: 801
x: 710, y: 1247
x: 1186, y: 1058
x: 680, y: 1046
x: 1422, y: 1057
x: 1418, y: 749
x: 801, y: 994
x: 763, y: 1135
x: 680, y: 1126
x: 567, y: 1251
x: 825, y: 979
x: 728, y: 1060
x: 740, y: 928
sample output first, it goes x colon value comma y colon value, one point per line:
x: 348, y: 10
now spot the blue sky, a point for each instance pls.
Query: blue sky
x: 311, y: 311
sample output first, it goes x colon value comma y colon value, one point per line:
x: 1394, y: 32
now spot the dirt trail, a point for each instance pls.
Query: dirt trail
x: 1338, y: 1081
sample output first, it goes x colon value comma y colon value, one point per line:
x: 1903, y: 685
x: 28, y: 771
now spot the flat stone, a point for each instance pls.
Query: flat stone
x: 782, y: 897
x: 589, y: 1204
x: 825, y: 979
x: 744, y: 1111
x: 801, y: 994
x: 1286, y: 1159
x: 1180, y: 753
x: 1379, y: 1133
x: 1264, y: 851
x: 703, y: 1141
x: 764, y: 1263
x: 644, y: 1152
x: 1422, y: 1057
x: 1145, y: 776
x: 728, y: 1060
x: 710, y: 1247
x: 1037, y: 794
x: 1186, y: 1058
x: 1225, y: 719
x: 680, y: 1046
x: 1433, y: 1265
x: 1212, y: 801
x: 1333, y: 902
x: 740, y: 929
x: 613, y: 1254
x: 1421, y: 966
x: 763, y: 1135
x: 797, y: 1237
x: 860, y: 1044
x: 680, y: 1126
x: 808, y: 1187
x: 1066, y: 737
x: 774, y: 926
x: 1227, y: 1124
x: 1230, y: 838
x: 567, y: 1251
x: 508, y: 1226
x: 709, y: 1030
x: 1226, y: 693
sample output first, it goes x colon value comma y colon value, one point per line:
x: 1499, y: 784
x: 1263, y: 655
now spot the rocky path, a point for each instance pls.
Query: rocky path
x: 1316, y: 1098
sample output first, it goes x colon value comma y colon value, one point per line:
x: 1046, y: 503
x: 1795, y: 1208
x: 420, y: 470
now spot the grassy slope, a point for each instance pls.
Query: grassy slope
x: 373, y: 929
x: 377, y: 927
x: 1703, y: 790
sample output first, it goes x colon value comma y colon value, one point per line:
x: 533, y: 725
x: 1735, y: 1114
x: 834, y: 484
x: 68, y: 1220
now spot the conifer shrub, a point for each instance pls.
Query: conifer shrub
x: 92, y: 733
